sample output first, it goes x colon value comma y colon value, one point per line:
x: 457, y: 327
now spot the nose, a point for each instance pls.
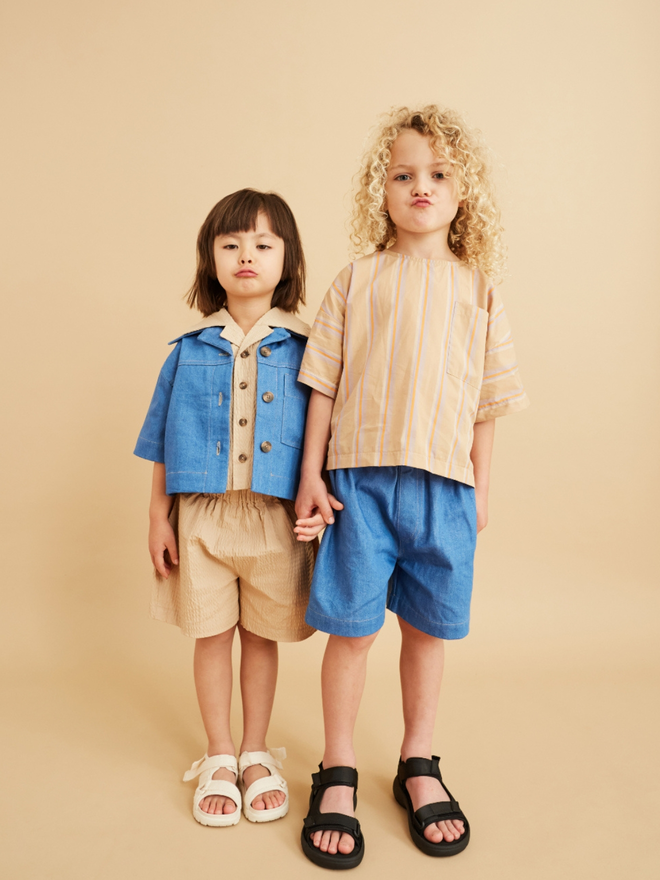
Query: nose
x: 421, y: 188
x: 246, y: 256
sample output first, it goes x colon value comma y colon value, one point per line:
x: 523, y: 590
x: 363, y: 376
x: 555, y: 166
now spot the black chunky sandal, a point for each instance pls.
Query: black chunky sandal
x: 430, y: 813
x: 317, y: 821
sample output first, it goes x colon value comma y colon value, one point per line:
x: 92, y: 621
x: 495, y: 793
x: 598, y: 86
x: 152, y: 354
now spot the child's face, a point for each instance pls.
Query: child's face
x: 249, y: 264
x: 420, y: 198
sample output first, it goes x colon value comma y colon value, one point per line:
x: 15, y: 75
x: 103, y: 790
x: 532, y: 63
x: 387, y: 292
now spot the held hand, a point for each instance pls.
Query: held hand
x: 162, y: 547
x: 307, y: 529
x: 314, y: 506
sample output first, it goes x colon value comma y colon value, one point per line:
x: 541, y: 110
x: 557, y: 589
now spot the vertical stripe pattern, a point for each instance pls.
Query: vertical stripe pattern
x: 414, y: 352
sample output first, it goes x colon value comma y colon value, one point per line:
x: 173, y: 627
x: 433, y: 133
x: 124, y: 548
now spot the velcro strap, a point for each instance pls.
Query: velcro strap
x: 266, y: 783
x: 333, y: 822
x: 438, y: 812
x: 338, y: 776
x: 215, y: 762
x: 220, y: 788
x: 421, y: 767
x: 269, y: 759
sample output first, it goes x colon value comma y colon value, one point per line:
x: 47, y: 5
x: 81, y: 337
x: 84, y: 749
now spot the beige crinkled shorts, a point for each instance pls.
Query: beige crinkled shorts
x: 239, y: 561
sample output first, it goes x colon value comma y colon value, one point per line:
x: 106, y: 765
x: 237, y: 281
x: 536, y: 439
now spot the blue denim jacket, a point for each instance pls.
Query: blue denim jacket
x: 188, y: 423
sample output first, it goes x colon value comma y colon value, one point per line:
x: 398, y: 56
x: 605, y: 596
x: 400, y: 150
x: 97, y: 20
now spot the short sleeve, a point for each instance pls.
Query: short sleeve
x: 323, y: 361
x: 502, y: 391
x: 151, y: 442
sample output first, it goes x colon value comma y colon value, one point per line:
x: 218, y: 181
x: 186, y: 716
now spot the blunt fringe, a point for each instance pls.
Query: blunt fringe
x: 238, y: 213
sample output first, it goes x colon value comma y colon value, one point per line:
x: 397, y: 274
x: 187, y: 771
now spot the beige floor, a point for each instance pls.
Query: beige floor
x: 548, y: 728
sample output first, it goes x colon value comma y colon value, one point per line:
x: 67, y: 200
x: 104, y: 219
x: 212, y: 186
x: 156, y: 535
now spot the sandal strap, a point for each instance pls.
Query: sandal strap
x: 327, y: 777
x: 266, y: 783
x: 218, y: 787
x: 333, y: 822
x: 212, y: 763
x: 271, y: 759
x: 420, y: 767
x: 438, y: 812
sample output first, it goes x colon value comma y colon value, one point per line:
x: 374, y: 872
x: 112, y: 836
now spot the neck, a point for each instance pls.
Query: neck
x: 246, y: 313
x: 432, y: 246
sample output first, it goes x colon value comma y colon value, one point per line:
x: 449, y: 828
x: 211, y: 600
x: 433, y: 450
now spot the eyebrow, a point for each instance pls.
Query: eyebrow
x: 258, y: 234
x: 433, y: 164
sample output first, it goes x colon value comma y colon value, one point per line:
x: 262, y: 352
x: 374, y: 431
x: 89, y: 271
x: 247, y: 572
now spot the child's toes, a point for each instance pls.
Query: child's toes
x: 228, y: 807
x: 434, y: 833
x: 459, y: 827
x: 327, y: 842
x: 346, y: 844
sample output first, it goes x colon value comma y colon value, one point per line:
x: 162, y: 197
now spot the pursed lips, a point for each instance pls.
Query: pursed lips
x: 421, y: 203
x: 246, y: 273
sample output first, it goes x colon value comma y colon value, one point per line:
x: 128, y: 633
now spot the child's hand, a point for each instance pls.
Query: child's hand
x: 162, y: 547
x: 314, y: 506
x: 481, y: 500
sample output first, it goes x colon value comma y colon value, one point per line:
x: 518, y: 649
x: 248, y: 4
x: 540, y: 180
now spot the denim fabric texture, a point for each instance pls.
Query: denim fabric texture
x: 405, y: 540
x: 188, y: 423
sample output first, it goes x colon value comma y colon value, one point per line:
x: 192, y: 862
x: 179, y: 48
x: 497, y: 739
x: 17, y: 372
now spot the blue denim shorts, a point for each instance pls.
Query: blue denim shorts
x: 405, y: 540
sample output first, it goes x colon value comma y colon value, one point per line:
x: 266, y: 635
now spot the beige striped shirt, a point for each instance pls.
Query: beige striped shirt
x: 414, y: 352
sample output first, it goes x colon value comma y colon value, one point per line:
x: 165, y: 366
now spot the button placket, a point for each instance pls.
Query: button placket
x: 242, y: 440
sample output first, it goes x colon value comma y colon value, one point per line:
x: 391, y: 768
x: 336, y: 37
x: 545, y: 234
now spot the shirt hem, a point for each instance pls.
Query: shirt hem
x: 400, y: 459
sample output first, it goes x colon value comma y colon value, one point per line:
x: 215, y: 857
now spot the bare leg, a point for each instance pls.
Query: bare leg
x: 421, y: 667
x: 213, y: 680
x: 258, y: 680
x: 342, y: 682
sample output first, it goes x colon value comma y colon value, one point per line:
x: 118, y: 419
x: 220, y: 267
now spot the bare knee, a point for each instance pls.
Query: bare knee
x: 251, y: 640
x: 411, y: 633
x: 216, y: 642
x: 352, y: 644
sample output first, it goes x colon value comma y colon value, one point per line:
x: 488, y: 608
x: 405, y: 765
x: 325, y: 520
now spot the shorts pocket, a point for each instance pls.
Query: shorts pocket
x: 296, y: 397
x: 467, y: 343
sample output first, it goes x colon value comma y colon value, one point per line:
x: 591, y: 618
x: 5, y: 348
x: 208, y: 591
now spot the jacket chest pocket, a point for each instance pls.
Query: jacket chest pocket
x: 296, y: 397
x: 467, y: 343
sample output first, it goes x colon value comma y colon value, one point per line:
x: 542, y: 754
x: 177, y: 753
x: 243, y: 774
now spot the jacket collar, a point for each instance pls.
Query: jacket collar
x: 272, y: 319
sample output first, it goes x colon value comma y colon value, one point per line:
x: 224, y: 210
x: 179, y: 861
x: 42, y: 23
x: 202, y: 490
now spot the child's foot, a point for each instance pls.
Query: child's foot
x: 269, y: 800
x: 337, y: 799
x: 426, y: 790
x: 216, y: 803
x: 265, y: 792
x: 217, y: 799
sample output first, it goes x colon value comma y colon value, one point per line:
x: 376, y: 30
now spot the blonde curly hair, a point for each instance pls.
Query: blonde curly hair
x: 475, y: 235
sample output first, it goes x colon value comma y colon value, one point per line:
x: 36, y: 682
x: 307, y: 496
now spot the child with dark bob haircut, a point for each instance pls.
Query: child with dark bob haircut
x: 225, y: 432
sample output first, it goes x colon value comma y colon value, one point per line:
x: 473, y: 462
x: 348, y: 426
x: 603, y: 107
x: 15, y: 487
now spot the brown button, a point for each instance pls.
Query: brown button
x: 242, y: 422
x: 268, y: 396
x: 265, y: 351
x: 242, y: 385
x: 266, y: 446
x: 245, y: 354
x: 242, y: 457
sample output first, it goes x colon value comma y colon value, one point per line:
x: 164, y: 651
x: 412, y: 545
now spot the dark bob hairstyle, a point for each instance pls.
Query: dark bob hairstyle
x: 238, y: 213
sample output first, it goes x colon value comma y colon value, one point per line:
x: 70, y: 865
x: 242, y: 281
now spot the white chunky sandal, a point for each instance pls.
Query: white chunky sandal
x: 275, y: 782
x: 205, y: 768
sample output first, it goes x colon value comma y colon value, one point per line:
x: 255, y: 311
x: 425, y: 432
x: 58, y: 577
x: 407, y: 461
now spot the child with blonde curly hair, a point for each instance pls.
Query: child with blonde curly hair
x: 410, y: 361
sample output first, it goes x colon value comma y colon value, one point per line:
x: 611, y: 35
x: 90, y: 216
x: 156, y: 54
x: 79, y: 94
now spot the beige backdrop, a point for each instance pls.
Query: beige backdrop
x: 123, y: 124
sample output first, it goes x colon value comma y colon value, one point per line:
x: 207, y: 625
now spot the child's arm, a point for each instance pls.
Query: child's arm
x: 162, y: 539
x: 314, y: 504
x: 482, y: 449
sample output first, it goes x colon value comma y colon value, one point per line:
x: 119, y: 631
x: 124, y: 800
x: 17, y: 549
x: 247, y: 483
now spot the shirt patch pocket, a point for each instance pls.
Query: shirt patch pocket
x: 296, y: 397
x: 467, y: 343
